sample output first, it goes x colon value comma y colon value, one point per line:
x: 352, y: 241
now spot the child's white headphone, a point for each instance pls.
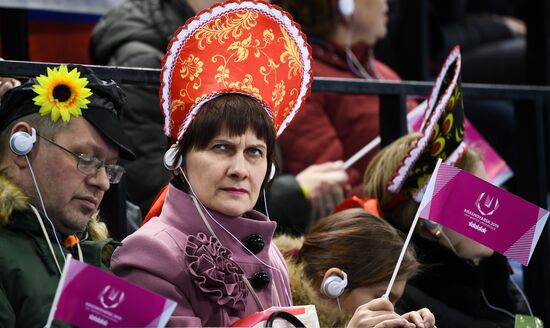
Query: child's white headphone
x: 333, y: 286
x: 21, y: 142
x: 346, y: 7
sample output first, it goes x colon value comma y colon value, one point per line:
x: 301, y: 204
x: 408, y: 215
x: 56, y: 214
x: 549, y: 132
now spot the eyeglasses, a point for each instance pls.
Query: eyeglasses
x: 90, y: 165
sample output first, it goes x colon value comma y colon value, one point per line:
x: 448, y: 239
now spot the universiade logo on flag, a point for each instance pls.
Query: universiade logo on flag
x: 90, y: 297
x: 483, y: 212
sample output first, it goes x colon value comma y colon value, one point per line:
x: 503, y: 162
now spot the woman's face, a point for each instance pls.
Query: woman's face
x: 362, y: 295
x: 371, y: 19
x: 227, y: 176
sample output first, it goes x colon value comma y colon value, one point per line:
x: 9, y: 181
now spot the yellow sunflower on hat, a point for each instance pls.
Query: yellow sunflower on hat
x: 61, y: 93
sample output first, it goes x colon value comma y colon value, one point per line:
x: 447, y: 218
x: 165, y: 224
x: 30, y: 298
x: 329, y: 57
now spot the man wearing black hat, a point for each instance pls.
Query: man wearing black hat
x: 60, y: 139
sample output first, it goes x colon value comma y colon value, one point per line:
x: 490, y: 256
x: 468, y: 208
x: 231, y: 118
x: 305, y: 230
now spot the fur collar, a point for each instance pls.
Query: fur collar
x: 303, y: 291
x: 12, y: 198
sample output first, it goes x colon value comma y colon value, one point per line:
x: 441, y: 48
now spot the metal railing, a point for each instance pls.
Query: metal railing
x: 529, y: 103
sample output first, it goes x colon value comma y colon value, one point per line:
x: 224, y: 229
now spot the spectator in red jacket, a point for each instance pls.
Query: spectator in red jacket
x: 331, y: 126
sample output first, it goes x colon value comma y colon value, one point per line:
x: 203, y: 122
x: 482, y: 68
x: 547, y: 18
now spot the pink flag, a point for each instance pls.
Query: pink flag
x: 483, y: 212
x: 90, y: 297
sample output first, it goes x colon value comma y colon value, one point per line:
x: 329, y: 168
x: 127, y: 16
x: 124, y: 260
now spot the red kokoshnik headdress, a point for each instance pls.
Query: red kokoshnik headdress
x: 246, y: 47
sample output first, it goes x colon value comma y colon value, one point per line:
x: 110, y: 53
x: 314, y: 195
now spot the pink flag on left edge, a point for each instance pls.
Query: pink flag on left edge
x: 90, y: 297
x: 483, y: 212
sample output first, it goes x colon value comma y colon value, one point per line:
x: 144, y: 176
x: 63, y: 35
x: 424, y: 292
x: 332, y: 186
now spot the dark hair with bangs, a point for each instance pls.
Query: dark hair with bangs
x: 234, y: 113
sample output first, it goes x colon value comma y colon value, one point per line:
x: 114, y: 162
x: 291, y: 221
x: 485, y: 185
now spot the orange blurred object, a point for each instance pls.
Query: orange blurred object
x: 369, y: 204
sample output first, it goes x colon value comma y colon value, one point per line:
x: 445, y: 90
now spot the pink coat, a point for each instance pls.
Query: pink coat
x: 176, y: 256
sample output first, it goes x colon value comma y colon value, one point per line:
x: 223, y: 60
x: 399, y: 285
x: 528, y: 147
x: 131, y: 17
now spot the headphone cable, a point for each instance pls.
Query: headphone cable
x: 494, y: 307
x: 524, y: 298
x: 44, y: 207
x: 235, y: 238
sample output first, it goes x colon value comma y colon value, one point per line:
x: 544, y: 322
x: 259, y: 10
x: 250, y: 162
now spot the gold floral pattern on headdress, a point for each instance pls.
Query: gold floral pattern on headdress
x: 232, y: 26
x: 192, y: 67
x: 61, y: 93
x: 278, y: 93
x: 291, y: 55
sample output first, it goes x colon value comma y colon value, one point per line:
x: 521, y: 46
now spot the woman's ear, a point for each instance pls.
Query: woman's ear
x: 346, y: 9
x: 334, y: 283
x: 333, y: 271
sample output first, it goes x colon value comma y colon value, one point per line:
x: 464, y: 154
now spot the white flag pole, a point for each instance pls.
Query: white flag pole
x: 418, y: 110
x: 425, y: 199
x: 362, y: 152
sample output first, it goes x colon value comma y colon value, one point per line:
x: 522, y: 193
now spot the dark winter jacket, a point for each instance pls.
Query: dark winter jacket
x: 453, y: 289
x: 136, y: 34
x: 456, y: 23
x: 28, y: 273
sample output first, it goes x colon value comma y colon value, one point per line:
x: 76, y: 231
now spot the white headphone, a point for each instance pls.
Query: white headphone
x: 172, y: 162
x: 272, y: 172
x: 333, y: 286
x: 21, y: 142
x: 346, y: 7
